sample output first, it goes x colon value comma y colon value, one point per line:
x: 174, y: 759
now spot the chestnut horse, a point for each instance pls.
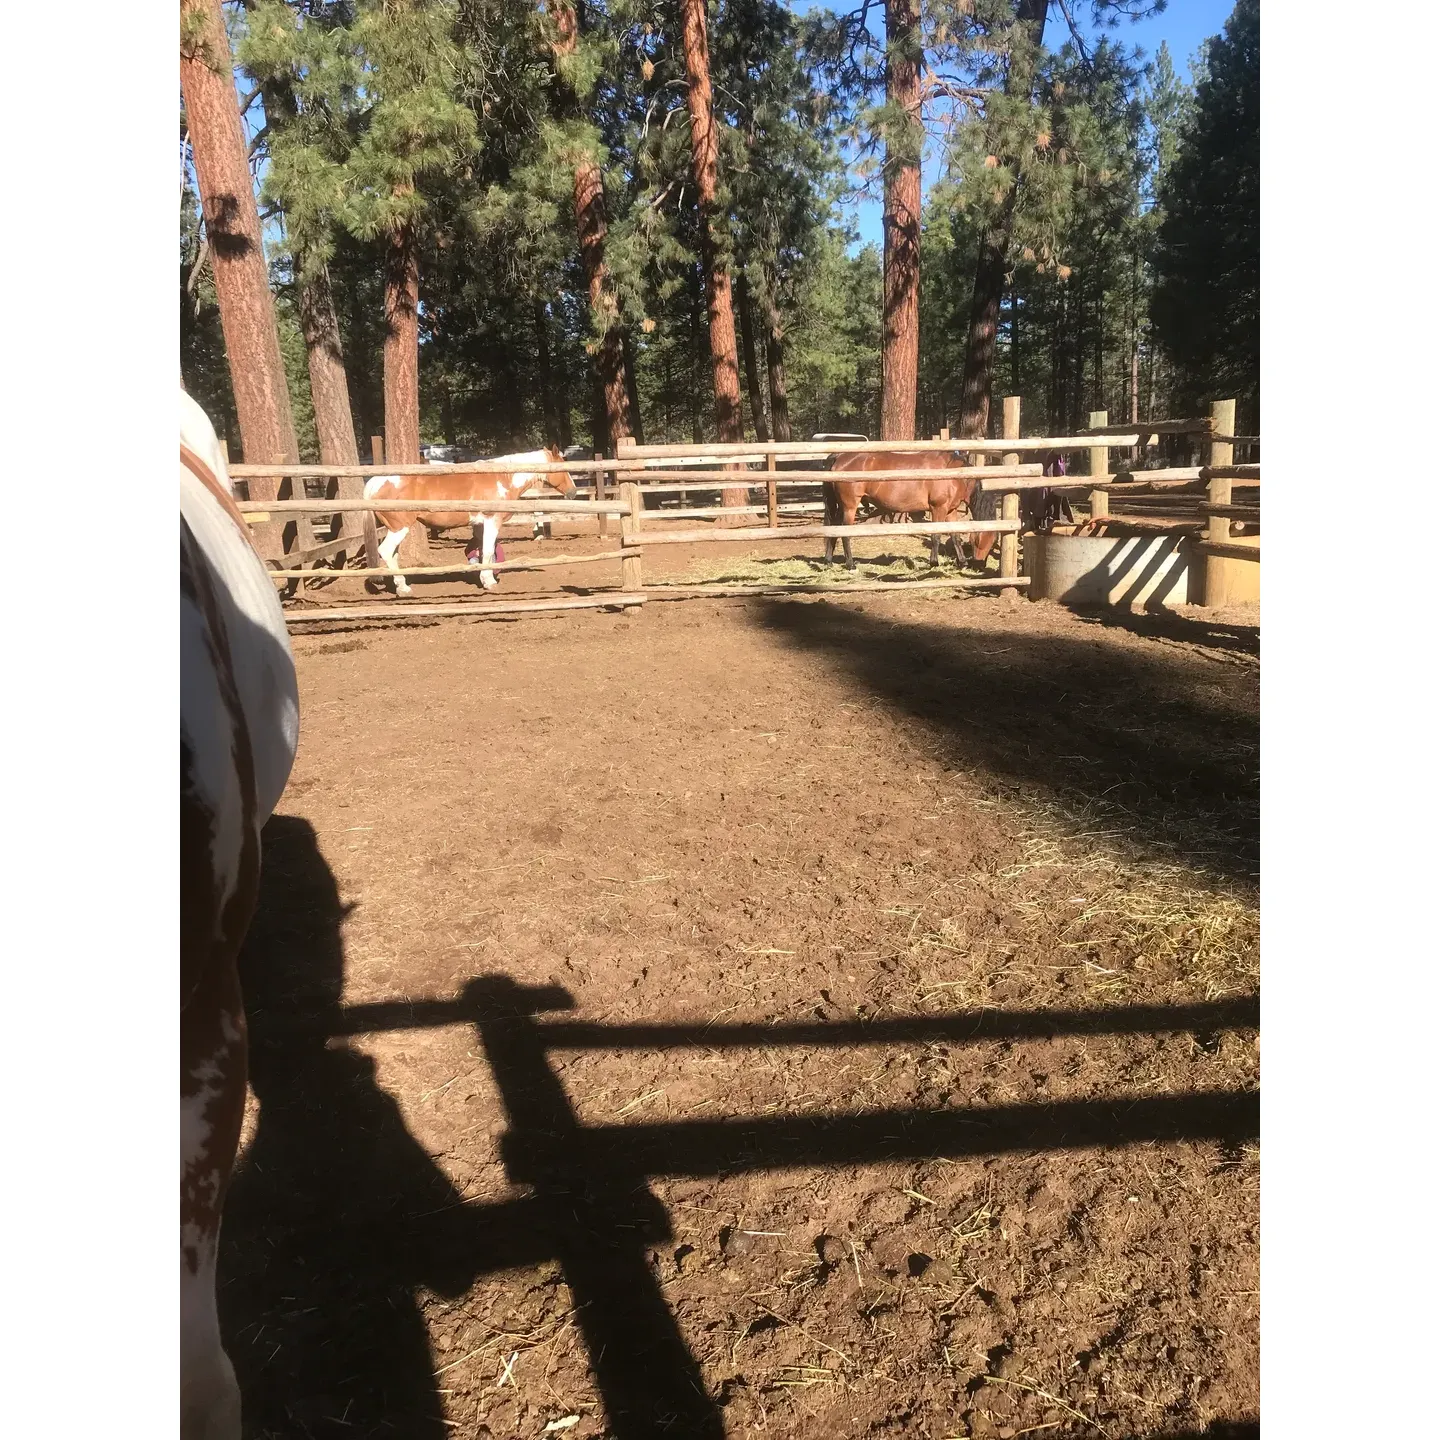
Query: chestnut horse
x: 462, y: 485
x: 941, y: 497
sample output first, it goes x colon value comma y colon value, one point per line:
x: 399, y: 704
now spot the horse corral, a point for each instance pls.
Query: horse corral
x: 1001, y: 501
x: 832, y: 1014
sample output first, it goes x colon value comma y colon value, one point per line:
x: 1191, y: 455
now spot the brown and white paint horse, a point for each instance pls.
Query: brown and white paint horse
x: 462, y: 485
x: 239, y: 716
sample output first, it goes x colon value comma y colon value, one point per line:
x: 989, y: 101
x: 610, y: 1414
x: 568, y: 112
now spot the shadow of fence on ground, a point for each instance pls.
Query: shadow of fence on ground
x: 338, y: 1216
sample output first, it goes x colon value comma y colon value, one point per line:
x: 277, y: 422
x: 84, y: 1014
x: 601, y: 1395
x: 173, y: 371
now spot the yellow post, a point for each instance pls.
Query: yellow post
x: 1099, y: 465
x: 631, y: 577
x: 1218, y: 492
x: 1010, y: 502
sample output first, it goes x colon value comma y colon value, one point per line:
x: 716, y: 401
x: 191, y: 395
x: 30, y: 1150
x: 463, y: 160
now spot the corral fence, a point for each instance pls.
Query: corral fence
x: 304, y: 539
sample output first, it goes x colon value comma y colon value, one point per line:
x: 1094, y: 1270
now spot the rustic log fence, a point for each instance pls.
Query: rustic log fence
x: 629, y: 486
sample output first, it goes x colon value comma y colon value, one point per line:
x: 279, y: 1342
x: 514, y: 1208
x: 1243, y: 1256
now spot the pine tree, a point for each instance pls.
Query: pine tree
x: 308, y: 71
x: 416, y: 133
x: 576, y: 76
x: 1022, y: 39
x: 1207, y: 261
x: 237, y: 256
x: 904, y: 140
x: 713, y: 250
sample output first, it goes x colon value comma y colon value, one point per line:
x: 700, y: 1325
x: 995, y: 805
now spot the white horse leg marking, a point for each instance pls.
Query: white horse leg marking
x: 490, y: 527
x: 209, y: 1395
x: 389, y: 553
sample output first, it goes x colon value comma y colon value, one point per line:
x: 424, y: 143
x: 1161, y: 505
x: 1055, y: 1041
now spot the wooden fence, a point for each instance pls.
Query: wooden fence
x: 633, y: 487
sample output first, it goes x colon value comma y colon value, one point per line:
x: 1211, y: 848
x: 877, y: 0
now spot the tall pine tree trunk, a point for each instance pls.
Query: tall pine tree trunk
x: 697, y: 424
x: 402, y: 348
x: 900, y: 344
x: 1014, y: 342
x: 609, y: 356
x: 995, y: 245
x: 232, y: 226
x: 591, y: 231
x: 704, y: 145
x: 775, y: 358
x: 1099, y: 338
x: 632, y: 392
x: 329, y: 388
x: 747, y: 345
x: 547, y: 383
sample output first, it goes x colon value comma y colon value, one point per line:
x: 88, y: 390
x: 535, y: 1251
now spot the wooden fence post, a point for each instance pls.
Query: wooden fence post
x: 367, y: 521
x: 772, y: 495
x: 631, y: 576
x: 1010, y: 501
x: 1222, y: 422
x: 603, y: 521
x: 1099, y: 465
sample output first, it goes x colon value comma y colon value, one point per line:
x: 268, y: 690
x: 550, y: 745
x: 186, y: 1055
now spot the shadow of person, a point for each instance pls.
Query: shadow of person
x: 325, y: 1237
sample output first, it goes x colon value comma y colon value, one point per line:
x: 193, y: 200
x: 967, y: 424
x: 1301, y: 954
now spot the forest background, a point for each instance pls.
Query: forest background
x: 492, y: 224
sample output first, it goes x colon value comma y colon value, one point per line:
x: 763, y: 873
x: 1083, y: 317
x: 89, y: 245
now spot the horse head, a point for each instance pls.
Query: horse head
x: 558, y: 479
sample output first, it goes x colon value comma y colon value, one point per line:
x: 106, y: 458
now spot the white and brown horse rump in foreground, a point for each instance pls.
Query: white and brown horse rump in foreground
x: 238, y: 724
x: 462, y: 485
x: 942, y: 497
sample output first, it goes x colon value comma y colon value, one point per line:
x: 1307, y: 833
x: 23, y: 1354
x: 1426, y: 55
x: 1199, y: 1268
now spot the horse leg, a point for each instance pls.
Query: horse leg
x: 849, y: 520
x: 941, y: 513
x: 389, y: 553
x: 490, y: 529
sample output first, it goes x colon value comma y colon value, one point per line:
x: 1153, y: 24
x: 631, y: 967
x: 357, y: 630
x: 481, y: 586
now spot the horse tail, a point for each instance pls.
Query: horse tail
x: 984, y: 504
x: 834, y: 515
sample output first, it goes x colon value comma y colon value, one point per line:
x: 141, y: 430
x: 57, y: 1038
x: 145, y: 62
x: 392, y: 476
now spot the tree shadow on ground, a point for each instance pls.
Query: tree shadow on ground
x: 1148, y: 746
x: 338, y: 1218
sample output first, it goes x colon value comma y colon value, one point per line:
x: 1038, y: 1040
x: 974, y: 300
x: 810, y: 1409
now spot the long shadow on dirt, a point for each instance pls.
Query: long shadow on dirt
x: 338, y: 1217
x: 1153, y: 748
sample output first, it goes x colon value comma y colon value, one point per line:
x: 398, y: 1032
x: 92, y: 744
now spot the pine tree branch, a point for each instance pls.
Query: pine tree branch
x: 1075, y: 34
x: 201, y: 256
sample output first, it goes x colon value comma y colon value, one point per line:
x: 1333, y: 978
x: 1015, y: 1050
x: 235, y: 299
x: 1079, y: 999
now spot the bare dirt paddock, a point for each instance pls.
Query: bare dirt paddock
x: 803, y: 1017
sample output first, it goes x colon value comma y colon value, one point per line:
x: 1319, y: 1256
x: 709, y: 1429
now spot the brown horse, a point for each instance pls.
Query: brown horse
x: 941, y: 497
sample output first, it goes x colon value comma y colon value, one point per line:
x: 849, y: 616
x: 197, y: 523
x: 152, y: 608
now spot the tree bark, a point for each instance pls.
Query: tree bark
x: 994, y: 246
x: 697, y: 290
x: 547, y: 384
x: 232, y: 227
x: 609, y: 357
x: 632, y: 392
x: 1014, y: 342
x: 747, y: 344
x: 900, y: 344
x: 329, y: 388
x: 704, y: 146
x: 775, y: 358
x: 402, y: 348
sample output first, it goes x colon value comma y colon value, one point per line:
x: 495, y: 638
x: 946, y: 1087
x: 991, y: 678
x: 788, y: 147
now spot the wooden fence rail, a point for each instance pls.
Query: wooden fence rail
x: 640, y: 471
x: 470, y: 504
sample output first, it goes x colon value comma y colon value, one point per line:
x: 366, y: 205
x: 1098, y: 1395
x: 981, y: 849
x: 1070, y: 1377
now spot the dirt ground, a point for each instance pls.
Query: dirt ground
x: 813, y: 1017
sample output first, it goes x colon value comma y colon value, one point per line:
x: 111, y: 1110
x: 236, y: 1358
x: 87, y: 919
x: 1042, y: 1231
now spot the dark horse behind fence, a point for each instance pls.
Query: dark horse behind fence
x: 941, y: 497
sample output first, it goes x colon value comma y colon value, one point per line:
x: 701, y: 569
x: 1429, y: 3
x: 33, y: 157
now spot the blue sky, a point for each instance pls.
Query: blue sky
x: 1183, y: 26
